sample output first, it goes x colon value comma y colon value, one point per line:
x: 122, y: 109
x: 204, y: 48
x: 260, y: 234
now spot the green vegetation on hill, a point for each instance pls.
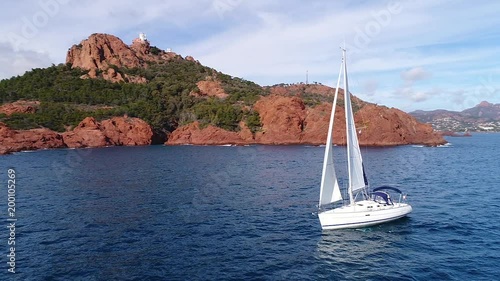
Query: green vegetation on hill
x: 54, y: 115
x: 240, y: 90
x: 218, y: 113
x: 164, y: 102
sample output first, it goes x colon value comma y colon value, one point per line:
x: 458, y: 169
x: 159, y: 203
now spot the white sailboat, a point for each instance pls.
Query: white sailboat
x: 364, y: 208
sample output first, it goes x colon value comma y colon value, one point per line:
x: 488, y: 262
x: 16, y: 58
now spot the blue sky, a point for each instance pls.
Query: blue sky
x: 407, y: 54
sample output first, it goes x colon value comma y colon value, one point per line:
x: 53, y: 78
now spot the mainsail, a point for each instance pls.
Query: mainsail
x: 357, y: 179
x: 330, y: 190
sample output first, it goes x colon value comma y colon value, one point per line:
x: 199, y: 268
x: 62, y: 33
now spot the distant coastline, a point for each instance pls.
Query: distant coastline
x: 484, y: 117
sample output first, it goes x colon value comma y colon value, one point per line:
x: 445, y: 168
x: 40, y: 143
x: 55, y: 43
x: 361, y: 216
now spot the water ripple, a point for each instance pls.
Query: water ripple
x: 249, y: 213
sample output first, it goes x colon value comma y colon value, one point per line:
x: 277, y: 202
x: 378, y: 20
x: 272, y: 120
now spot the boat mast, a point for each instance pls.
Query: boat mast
x: 346, y: 92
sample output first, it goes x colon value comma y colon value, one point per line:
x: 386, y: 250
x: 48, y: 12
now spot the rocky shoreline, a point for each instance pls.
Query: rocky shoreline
x: 117, y: 131
x: 285, y: 121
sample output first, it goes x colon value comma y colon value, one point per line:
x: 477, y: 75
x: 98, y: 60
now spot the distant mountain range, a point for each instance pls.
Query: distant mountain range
x: 482, y: 117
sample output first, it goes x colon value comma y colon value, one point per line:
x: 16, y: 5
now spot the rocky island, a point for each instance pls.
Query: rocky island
x: 109, y: 93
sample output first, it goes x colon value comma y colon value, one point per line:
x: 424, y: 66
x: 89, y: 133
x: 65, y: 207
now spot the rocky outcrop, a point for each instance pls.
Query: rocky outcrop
x: 117, y: 131
x: 141, y: 47
x: 88, y: 133
x: 20, y: 106
x: 34, y: 139
x: 287, y: 120
x: 135, y: 79
x: 190, y: 58
x: 102, y: 53
x: 210, y: 89
x: 210, y: 135
x: 380, y: 125
x: 127, y: 131
x: 282, y: 119
x: 316, y: 125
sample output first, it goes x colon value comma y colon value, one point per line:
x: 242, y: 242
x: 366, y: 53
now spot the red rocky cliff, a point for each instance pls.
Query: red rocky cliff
x: 89, y: 133
x: 282, y: 119
x: 209, y: 88
x: 389, y: 126
x: 102, y: 52
x: 194, y: 134
x: 116, y: 131
x: 127, y: 131
x: 287, y: 120
x: 12, y: 140
x: 20, y: 106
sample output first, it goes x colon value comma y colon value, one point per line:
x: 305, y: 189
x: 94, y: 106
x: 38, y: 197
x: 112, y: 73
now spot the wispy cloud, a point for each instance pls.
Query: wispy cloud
x: 415, y: 74
x: 17, y: 62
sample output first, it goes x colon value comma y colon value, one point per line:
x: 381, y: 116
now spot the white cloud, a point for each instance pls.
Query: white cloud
x: 16, y: 63
x: 415, y: 74
x: 411, y: 94
x: 419, y: 97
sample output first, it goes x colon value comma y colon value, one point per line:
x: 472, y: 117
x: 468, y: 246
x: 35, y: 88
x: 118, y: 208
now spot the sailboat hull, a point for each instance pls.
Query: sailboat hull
x: 362, y: 214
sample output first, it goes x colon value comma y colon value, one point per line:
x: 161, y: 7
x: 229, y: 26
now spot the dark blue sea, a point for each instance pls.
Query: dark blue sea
x: 247, y: 213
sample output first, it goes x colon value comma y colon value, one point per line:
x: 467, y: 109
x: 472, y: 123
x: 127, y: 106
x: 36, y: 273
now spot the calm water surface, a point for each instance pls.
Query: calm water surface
x: 248, y: 213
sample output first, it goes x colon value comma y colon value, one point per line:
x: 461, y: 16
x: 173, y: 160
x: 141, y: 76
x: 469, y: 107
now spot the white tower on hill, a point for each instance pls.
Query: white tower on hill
x: 142, y: 36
